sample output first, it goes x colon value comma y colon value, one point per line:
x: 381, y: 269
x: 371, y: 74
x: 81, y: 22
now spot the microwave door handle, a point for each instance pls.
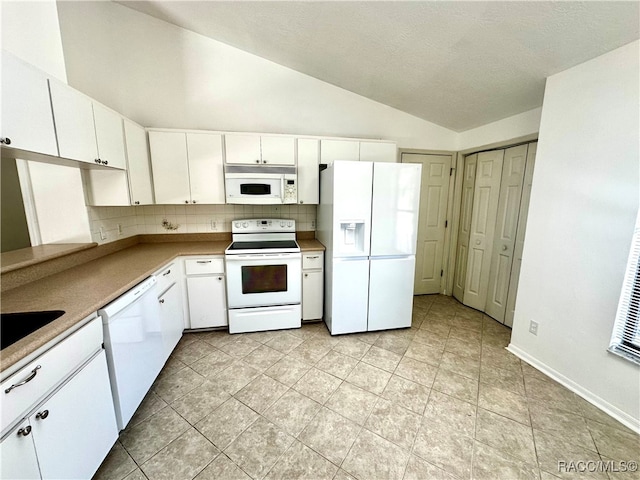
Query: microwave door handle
x: 282, y: 188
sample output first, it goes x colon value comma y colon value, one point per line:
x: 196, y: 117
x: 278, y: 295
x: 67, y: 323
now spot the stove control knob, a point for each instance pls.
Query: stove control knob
x: 245, y: 224
x: 289, y: 224
x: 282, y: 224
x: 237, y: 224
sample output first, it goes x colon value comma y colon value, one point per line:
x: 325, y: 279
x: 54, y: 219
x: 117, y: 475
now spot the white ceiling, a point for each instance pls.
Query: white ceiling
x: 457, y: 64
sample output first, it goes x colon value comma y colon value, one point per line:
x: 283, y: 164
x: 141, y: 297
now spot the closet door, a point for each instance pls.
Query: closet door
x: 483, y: 221
x: 504, y: 242
x: 466, y: 209
x: 522, y: 226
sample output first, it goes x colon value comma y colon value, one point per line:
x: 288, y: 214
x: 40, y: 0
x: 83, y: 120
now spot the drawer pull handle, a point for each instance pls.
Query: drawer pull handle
x: 203, y: 261
x: 167, y: 272
x: 42, y: 415
x: 31, y: 376
x: 25, y: 431
x: 313, y: 257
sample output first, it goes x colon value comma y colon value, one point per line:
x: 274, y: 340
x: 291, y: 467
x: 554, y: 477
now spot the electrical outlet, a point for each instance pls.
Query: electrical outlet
x: 214, y: 225
x: 119, y: 229
x: 533, y: 327
x: 103, y: 234
x: 313, y: 224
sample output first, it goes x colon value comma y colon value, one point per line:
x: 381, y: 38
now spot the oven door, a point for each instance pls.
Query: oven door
x: 260, y: 280
x: 247, y: 188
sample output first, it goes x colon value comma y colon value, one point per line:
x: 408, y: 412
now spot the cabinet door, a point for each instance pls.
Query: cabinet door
x: 18, y: 454
x: 73, y: 116
x: 207, y: 302
x: 206, y: 174
x: 171, y: 317
x: 170, y: 170
x: 312, y: 294
x: 308, y: 173
x: 331, y: 150
x: 243, y: 149
x: 75, y: 428
x: 27, y: 120
x: 106, y: 188
x: 138, y: 164
x: 109, y: 136
x: 278, y: 150
x: 377, y: 152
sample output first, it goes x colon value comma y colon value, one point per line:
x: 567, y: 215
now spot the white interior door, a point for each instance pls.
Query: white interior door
x: 483, y: 221
x: 522, y: 226
x: 432, y: 218
x: 515, y: 159
x: 466, y: 209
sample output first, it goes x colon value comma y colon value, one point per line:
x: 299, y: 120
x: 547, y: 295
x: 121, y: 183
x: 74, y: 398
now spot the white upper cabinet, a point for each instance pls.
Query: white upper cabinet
x: 331, y: 150
x: 109, y: 136
x: 138, y: 164
x: 73, y: 115
x: 170, y: 168
x: 243, y: 149
x: 256, y: 149
x: 278, y: 150
x: 308, y: 172
x: 27, y: 121
x: 187, y: 168
x: 377, y: 152
x: 206, y: 174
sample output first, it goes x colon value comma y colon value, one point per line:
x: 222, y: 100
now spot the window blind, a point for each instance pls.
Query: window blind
x: 625, y: 339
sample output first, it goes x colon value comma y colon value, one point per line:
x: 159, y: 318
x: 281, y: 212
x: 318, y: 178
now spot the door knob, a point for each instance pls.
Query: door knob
x: 504, y: 248
x: 478, y: 242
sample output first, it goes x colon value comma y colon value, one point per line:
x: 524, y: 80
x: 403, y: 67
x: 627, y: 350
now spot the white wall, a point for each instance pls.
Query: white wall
x: 30, y: 31
x: 524, y: 124
x: 161, y: 75
x: 583, y: 209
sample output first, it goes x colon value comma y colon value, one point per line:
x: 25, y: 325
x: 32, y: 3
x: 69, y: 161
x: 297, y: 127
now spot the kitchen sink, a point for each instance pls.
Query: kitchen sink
x: 15, y: 326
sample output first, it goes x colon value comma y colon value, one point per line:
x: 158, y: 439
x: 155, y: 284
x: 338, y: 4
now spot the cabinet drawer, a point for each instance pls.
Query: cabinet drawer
x: 166, y: 276
x: 312, y: 260
x: 205, y: 265
x: 45, y: 372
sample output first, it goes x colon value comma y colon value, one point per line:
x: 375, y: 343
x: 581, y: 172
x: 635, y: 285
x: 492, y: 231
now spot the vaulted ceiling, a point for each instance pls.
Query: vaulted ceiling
x: 457, y: 64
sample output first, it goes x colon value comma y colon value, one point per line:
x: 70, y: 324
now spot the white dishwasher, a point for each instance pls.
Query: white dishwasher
x: 135, y: 350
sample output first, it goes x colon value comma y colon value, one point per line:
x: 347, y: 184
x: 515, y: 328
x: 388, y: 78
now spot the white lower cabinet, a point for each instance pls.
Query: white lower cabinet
x: 206, y: 292
x: 312, y: 285
x: 169, y: 281
x: 69, y: 434
x: 18, y: 459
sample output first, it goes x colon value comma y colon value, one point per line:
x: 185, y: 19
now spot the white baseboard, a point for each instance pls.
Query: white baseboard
x: 622, y: 417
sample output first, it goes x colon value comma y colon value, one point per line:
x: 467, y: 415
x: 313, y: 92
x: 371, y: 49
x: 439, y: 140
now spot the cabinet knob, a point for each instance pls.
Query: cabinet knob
x: 25, y: 431
x: 105, y: 162
x: 264, y: 161
x: 306, y: 275
x: 42, y: 415
x: 186, y: 201
x: 166, y: 273
x: 161, y: 300
x: 193, y: 201
x: 301, y: 202
x: 5, y: 140
x: 97, y: 160
x: 219, y: 278
x: 137, y: 202
x: 257, y: 161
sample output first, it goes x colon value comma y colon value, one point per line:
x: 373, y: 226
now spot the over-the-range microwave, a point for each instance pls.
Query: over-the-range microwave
x: 260, y: 185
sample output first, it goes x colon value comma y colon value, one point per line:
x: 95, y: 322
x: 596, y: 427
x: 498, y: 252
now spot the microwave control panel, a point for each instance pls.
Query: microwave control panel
x: 290, y: 194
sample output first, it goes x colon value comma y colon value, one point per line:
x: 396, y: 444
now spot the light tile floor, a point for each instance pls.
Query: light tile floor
x: 440, y: 400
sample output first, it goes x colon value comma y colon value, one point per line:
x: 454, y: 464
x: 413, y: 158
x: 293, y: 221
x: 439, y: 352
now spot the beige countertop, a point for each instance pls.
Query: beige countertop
x: 24, y: 257
x: 82, y: 290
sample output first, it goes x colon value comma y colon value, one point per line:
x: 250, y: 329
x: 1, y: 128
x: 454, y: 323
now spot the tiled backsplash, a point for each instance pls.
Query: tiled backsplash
x: 188, y: 218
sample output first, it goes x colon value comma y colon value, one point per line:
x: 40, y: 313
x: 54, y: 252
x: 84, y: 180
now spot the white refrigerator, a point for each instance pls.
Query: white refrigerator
x: 368, y: 222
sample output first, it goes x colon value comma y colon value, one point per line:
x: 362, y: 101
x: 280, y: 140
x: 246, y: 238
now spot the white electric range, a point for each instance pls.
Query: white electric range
x: 264, y: 275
